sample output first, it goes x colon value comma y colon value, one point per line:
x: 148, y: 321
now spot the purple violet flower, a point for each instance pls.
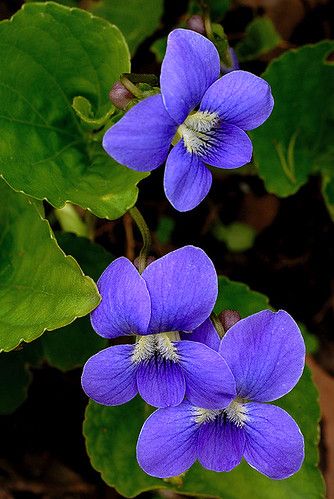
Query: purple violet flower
x: 174, y: 293
x: 266, y: 354
x: 208, y: 116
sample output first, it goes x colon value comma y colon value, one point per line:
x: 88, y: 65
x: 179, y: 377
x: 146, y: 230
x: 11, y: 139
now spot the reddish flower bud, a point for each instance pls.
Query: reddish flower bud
x: 228, y: 318
x: 120, y: 96
x: 196, y: 23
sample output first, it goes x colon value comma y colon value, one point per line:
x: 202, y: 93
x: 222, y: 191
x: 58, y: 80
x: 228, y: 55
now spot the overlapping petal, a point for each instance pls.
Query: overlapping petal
x: 190, y: 66
x: 220, y: 445
x: 266, y: 354
x: 161, y: 382
x: 274, y: 443
x: 109, y: 377
x: 167, y: 444
x: 205, y: 333
x: 210, y: 383
x: 178, y: 304
x: 230, y: 147
x: 125, y: 307
x: 141, y: 139
x: 187, y: 180
x: 240, y: 98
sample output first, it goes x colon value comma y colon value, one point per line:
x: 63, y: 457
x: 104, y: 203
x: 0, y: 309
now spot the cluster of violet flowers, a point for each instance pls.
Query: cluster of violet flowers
x: 211, y: 389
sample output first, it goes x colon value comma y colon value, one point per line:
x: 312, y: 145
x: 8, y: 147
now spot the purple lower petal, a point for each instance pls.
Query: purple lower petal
x: 167, y: 443
x: 205, y: 333
x: 240, y: 98
x: 190, y: 66
x: 266, y: 354
x: 178, y: 305
x: 161, y: 382
x: 220, y: 445
x: 125, y: 307
x: 141, y: 139
x: 209, y: 381
x: 109, y: 377
x: 187, y: 180
x: 230, y: 147
x: 274, y: 443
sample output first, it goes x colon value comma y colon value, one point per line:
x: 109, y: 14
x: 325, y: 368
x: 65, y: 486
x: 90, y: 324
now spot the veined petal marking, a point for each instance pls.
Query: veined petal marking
x: 156, y: 344
x: 235, y: 412
x: 198, y: 130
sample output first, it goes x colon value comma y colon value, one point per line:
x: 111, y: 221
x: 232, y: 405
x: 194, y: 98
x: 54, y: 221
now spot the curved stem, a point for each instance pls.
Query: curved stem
x: 146, y: 235
x: 217, y: 324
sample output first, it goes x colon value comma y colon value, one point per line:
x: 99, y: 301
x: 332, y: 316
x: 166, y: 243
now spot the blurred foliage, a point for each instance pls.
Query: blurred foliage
x: 260, y: 37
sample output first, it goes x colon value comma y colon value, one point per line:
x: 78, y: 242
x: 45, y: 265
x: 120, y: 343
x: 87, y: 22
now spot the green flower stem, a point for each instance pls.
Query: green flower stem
x: 146, y: 235
x: 133, y: 89
x: 217, y: 324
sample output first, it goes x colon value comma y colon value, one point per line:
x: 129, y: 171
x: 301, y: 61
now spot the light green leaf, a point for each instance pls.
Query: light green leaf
x: 137, y: 19
x: 40, y: 288
x: 237, y: 236
x: 83, y: 109
x: 260, y: 37
x: 111, y: 434
x: 297, y: 139
x: 70, y: 220
x: 70, y: 346
x: 49, y: 55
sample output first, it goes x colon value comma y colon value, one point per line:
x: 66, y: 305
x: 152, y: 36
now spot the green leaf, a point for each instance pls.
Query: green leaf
x: 217, y: 8
x: 70, y: 220
x: 260, y: 37
x: 165, y: 229
x: 83, y: 109
x: 137, y: 19
x: 158, y: 48
x: 70, y: 346
x: 49, y: 55
x: 15, y: 375
x: 15, y: 378
x: 328, y: 192
x: 233, y: 295
x: 111, y: 434
x: 297, y: 139
x: 237, y: 236
x: 40, y: 288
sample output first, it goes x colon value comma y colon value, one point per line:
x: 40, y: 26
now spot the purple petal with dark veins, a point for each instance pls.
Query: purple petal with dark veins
x: 229, y: 147
x: 190, y: 66
x: 220, y: 445
x: 209, y: 381
x: 178, y: 304
x: 167, y: 444
x: 109, y: 377
x: 274, y: 443
x: 240, y: 98
x: 142, y: 138
x: 266, y: 354
x: 125, y: 307
x: 161, y: 382
x: 187, y: 180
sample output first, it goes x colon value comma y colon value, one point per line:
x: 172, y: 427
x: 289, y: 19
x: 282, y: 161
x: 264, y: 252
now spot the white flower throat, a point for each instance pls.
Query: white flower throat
x: 235, y: 412
x: 198, y: 131
x: 160, y: 345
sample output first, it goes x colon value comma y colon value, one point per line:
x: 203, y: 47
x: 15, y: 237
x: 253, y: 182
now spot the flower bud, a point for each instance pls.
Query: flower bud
x: 228, y: 318
x: 196, y: 23
x: 120, y: 96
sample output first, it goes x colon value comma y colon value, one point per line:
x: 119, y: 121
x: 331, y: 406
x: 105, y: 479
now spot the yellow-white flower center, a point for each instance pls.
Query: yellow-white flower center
x: 235, y: 412
x: 197, y: 130
x: 160, y: 345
